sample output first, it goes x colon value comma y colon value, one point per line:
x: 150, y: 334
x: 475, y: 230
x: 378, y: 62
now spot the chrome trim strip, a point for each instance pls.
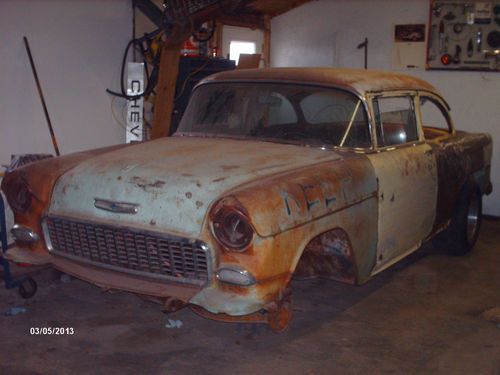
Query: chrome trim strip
x: 202, y: 245
x: 116, y: 207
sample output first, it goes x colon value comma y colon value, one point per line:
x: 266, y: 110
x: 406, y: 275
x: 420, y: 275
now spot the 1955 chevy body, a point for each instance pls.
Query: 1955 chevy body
x: 273, y: 174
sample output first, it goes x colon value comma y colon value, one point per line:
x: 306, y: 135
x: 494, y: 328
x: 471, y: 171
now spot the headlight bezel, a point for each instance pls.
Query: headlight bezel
x: 19, y: 195
x: 225, y: 215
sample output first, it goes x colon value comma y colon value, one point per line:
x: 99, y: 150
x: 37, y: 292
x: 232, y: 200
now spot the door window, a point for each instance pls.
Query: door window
x: 395, y: 120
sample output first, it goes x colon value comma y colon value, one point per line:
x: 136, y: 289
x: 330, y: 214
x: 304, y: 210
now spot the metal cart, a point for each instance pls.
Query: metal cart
x: 27, y: 287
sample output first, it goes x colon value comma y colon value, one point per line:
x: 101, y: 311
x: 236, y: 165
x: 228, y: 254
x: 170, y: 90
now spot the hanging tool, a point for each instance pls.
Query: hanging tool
x: 446, y: 59
x: 456, y: 57
x: 40, y: 93
x: 432, y: 52
x: 458, y: 27
x: 436, y: 8
x: 442, y: 38
x: 449, y: 16
x: 479, y: 39
x: 365, y: 46
x: 470, y: 48
x: 493, y: 39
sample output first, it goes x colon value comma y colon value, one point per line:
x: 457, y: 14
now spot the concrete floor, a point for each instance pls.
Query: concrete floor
x: 424, y: 315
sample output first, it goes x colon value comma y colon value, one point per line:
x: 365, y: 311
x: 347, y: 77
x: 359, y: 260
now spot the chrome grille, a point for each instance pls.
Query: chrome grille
x: 128, y: 250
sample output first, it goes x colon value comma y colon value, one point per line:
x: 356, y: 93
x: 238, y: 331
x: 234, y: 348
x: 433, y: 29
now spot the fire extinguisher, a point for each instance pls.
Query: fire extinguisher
x: 190, y: 48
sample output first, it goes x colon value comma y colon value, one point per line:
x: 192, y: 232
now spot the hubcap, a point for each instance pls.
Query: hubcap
x: 472, y: 218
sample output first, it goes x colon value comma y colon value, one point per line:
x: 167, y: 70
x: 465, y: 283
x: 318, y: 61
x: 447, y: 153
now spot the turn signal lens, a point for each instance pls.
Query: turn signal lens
x: 232, y: 229
x: 24, y: 234
x: 235, y: 276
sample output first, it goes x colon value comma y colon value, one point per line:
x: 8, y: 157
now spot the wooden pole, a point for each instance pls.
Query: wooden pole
x: 219, y: 26
x: 165, y: 91
x: 42, y: 98
x: 267, y: 41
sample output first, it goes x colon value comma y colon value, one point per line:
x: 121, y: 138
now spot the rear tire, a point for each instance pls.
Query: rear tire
x: 461, y: 235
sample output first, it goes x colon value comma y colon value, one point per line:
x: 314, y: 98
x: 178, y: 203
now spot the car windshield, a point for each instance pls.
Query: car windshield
x: 279, y: 112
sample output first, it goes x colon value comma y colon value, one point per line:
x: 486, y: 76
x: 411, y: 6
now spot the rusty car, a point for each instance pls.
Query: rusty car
x: 273, y: 173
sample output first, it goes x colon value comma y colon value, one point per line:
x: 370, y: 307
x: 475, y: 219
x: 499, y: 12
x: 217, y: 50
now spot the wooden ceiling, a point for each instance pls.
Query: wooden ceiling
x: 253, y: 13
x: 273, y: 8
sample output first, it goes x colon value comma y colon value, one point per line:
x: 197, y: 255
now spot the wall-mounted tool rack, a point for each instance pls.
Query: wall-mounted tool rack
x: 464, y: 35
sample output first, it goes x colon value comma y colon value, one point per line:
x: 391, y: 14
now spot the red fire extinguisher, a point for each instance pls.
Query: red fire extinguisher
x: 190, y: 48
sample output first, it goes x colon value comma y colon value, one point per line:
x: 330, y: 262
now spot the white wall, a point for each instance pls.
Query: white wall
x: 326, y: 33
x: 77, y: 46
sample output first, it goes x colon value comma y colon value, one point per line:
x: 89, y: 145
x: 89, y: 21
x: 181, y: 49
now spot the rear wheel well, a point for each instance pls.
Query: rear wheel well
x: 462, y: 233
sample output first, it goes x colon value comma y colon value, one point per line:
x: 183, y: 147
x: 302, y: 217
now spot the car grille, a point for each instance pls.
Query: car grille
x: 127, y: 250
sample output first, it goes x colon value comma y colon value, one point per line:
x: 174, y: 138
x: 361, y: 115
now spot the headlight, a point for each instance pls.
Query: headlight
x: 232, y: 228
x: 19, y: 195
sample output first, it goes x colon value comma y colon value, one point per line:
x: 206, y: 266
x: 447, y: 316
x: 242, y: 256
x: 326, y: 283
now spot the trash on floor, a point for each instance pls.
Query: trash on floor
x: 173, y: 323
x: 13, y: 311
x: 65, y: 278
x: 492, y: 315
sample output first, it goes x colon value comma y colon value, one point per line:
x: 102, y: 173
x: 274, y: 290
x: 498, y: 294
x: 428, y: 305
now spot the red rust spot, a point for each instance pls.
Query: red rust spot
x: 189, y: 195
x: 199, y: 204
x: 119, y: 178
x: 145, y: 184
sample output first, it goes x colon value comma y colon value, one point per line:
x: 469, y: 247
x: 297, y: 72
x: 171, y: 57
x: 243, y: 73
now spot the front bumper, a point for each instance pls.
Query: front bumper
x: 215, y: 297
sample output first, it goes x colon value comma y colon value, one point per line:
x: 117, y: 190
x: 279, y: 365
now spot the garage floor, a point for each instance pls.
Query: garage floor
x: 422, y: 316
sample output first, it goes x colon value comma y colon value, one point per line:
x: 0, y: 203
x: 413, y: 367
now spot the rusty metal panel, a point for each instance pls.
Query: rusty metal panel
x: 407, y: 194
x: 285, y: 201
x: 356, y: 80
x: 458, y: 157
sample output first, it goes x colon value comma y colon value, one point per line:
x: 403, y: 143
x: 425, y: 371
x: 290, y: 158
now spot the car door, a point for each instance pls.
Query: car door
x: 406, y: 174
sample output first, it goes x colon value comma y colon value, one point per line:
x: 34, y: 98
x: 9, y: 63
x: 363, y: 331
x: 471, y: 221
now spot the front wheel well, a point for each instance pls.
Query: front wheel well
x: 328, y: 255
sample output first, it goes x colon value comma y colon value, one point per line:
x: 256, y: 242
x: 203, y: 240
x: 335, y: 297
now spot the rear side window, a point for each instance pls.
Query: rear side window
x: 395, y: 120
x: 435, y: 118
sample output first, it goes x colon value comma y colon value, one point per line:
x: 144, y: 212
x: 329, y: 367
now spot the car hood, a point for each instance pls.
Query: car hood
x: 173, y: 180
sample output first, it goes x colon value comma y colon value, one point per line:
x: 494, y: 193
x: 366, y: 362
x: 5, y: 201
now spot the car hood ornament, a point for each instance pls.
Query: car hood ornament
x: 116, y: 207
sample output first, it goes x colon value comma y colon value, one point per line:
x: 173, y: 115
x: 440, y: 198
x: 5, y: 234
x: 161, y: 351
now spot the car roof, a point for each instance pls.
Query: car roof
x: 356, y: 80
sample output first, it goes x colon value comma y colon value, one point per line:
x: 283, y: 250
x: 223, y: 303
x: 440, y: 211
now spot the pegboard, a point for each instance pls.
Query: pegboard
x: 464, y: 35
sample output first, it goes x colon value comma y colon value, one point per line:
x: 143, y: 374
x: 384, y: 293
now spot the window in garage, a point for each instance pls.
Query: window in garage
x: 237, y: 47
